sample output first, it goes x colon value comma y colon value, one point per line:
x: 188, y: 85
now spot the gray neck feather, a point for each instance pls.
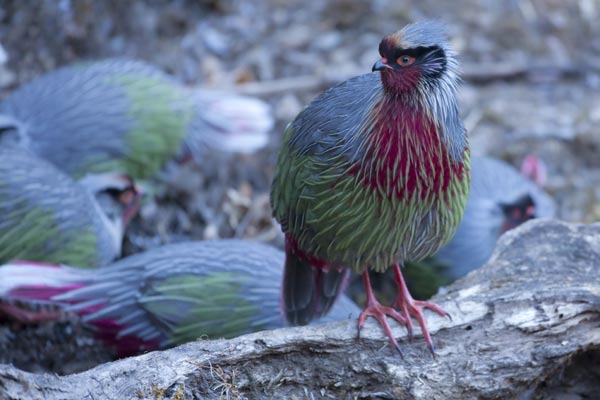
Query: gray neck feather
x: 439, y: 97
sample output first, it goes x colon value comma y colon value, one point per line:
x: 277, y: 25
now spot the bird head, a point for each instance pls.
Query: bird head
x: 117, y: 194
x: 416, y: 58
x: 517, y: 212
x: 12, y: 131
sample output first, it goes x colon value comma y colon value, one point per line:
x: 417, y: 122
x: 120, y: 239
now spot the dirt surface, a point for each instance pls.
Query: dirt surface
x: 532, y: 79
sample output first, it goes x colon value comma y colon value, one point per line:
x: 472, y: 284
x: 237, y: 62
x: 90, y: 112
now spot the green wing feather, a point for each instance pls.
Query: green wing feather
x: 161, y: 113
x: 192, y: 306
x: 33, y: 233
x: 44, y: 215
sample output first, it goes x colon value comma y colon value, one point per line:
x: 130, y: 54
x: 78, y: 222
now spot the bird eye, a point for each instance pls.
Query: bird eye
x: 405, y: 60
x: 126, y: 196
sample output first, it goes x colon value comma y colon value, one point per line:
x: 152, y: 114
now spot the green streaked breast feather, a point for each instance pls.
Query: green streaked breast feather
x: 332, y: 216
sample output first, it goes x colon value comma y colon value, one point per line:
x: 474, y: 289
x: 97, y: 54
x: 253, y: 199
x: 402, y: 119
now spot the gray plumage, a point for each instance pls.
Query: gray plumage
x: 126, y: 116
x: 494, y: 184
x: 46, y: 216
x: 179, y: 292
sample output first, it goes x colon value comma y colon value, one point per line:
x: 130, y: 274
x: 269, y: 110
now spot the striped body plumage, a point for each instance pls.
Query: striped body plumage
x: 168, y: 295
x: 349, y: 208
x: 46, y: 216
x: 126, y: 116
x: 372, y: 173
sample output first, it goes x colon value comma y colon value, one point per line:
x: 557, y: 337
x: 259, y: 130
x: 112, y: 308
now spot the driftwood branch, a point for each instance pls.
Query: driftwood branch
x: 518, y: 323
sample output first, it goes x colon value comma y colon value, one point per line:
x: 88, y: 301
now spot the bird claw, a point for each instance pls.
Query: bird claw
x: 448, y: 316
x: 399, y: 351
x: 413, y: 308
x: 379, y: 312
x: 432, y: 350
x: 26, y: 317
x: 398, y: 304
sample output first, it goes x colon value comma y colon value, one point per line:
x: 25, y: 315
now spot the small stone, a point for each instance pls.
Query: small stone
x: 288, y: 107
x: 211, y: 232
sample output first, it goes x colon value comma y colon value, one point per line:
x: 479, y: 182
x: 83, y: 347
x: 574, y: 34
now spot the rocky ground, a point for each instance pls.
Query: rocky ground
x: 532, y: 79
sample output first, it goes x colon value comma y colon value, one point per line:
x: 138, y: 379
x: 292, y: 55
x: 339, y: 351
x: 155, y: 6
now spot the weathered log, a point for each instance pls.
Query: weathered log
x: 517, y: 324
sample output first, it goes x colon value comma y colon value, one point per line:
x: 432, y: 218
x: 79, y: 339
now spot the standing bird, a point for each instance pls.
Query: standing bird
x: 126, y: 116
x: 374, y: 172
x: 168, y: 295
x: 46, y: 216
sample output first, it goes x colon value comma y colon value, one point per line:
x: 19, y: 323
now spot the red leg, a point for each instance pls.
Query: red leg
x: 15, y: 313
x: 374, y: 309
x: 411, y: 307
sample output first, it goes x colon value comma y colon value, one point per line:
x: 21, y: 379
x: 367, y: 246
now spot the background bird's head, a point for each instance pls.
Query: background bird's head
x: 117, y: 195
x: 12, y: 131
x: 501, y: 199
x: 519, y: 211
x: 416, y: 58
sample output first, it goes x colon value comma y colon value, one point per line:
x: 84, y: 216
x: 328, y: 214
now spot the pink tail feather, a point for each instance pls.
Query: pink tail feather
x: 35, y: 282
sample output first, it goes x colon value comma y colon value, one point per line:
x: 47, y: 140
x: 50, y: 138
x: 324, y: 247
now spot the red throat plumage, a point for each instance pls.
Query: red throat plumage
x: 406, y: 154
x: 399, y: 82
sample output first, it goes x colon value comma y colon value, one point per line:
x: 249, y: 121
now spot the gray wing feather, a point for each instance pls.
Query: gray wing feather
x: 77, y: 112
x: 327, y: 127
x: 258, y: 268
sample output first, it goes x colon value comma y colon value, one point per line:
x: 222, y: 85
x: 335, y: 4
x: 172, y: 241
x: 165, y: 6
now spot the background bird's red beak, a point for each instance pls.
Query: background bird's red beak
x: 132, y: 199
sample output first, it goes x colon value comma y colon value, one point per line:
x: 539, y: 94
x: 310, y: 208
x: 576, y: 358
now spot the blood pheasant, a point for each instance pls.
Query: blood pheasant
x: 372, y: 173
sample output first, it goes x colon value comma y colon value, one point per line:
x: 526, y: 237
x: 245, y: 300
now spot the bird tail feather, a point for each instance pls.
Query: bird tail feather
x: 38, y: 283
x: 309, y: 291
x: 229, y: 123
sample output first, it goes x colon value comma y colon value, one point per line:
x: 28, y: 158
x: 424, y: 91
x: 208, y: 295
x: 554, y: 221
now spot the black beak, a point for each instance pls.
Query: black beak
x: 379, y: 66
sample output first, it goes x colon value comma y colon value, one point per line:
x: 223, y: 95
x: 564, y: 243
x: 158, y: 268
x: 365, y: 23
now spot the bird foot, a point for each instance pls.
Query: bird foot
x: 379, y: 312
x: 17, y: 314
x: 412, y: 308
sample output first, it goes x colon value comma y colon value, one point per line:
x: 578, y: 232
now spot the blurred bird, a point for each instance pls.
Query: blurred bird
x: 500, y: 199
x: 46, y: 216
x: 126, y: 116
x: 373, y: 173
x: 168, y: 295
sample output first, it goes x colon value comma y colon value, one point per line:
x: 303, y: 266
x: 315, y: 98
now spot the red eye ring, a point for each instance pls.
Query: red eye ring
x: 405, y: 60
